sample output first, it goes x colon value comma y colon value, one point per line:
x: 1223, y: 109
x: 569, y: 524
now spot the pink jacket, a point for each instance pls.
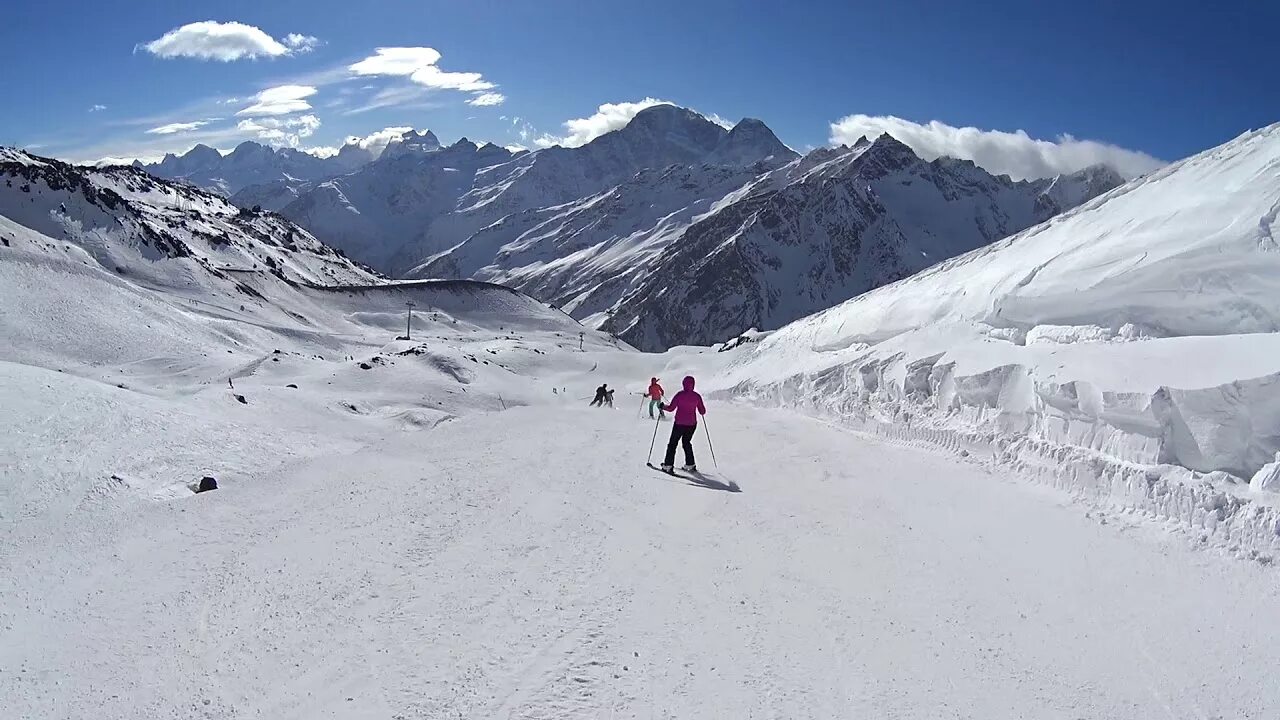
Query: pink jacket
x: 687, y: 404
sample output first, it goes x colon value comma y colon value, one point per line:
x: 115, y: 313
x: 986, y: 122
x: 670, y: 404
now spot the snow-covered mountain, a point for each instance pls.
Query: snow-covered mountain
x: 743, y: 231
x: 170, y: 233
x: 696, y: 254
x: 123, y: 231
x: 370, y: 214
x: 250, y: 163
x: 113, y: 264
x: 414, y: 203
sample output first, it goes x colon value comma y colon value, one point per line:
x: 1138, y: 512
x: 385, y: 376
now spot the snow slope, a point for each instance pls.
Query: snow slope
x: 1126, y: 349
x: 452, y: 573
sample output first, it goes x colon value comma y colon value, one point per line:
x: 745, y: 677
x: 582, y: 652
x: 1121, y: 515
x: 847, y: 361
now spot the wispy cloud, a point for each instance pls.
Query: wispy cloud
x: 97, y: 108
x: 419, y: 65
x: 179, y: 127
x: 399, y: 96
x: 487, y: 99
x: 609, y: 117
x: 1016, y: 153
x: 212, y: 40
x: 280, y: 100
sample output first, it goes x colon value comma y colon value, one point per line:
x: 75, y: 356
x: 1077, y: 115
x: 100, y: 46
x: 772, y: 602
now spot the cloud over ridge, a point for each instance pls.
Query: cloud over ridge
x: 1015, y: 154
x: 607, y: 118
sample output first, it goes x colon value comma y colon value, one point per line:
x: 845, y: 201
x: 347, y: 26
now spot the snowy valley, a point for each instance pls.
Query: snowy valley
x: 1028, y: 470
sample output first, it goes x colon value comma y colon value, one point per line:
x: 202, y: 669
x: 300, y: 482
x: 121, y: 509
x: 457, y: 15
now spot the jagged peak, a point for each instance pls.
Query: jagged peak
x: 887, y: 142
x: 411, y: 142
x: 667, y: 120
x: 426, y: 137
x: 751, y: 141
x: 748, y: 124
x: 201, y: 149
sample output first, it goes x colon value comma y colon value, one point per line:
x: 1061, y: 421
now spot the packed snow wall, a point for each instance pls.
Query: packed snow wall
x: 1128, y: 350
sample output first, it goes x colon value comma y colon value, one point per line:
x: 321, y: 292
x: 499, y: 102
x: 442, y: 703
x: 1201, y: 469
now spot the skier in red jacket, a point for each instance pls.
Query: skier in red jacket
x: 687, y: 405
x: 655, y: 398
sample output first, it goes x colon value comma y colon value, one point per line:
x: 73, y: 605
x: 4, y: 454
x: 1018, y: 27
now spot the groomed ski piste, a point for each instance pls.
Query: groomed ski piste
x: 1016, y: 485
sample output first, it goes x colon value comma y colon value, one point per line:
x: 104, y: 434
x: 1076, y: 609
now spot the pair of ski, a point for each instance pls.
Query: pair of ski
x: 686, y: 474
x: 693, y: 477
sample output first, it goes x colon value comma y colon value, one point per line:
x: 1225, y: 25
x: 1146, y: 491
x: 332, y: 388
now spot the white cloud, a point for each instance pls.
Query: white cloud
x: 212, y: 40
x: 301, y: 43
x: 179, y: 127
x: 96, y: 108
x: 284, y: 132
x: 396, y: 61
x: 487, y: 99
x: 115, y: 160
x: 281, y: 100
x: 515, y: 147
x: 419, y: 65
x: 1013, y: 153
x: 377, y: 141
x: 433, y: 77
x: 609, y: 117
x: 322, y: 151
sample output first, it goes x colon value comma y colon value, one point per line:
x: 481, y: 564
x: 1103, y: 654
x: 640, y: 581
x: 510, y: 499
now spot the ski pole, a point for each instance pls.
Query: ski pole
x: 706, y: 429
x: 641, y: 413
x: 651, y: 442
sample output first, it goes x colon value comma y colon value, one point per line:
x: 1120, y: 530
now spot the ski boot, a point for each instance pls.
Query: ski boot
x: 668, y: 469
x: 689, y: 468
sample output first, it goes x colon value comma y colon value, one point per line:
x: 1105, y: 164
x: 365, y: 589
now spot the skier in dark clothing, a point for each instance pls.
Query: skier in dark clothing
x: 687, y: 406
x: 601, y: 393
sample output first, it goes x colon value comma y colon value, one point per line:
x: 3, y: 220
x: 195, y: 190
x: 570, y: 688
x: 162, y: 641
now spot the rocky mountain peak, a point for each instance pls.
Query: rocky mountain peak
x: 749, y: 142
x: 665, y: 133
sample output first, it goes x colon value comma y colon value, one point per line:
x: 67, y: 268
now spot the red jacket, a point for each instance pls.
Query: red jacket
x: 655, y: 390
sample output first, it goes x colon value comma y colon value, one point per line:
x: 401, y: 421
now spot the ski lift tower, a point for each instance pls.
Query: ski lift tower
x: 408, y: 323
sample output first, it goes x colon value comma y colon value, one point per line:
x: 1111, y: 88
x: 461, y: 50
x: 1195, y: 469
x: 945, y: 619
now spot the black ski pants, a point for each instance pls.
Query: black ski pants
x: 682, y: 434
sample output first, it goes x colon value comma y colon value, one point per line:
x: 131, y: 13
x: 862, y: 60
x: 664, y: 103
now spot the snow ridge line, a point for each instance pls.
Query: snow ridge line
x: 1204, y: 506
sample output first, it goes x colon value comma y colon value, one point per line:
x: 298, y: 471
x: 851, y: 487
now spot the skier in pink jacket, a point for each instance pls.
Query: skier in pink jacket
x: 687, y: 406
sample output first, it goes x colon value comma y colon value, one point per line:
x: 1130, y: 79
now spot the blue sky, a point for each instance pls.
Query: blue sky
x: 1160, y: 79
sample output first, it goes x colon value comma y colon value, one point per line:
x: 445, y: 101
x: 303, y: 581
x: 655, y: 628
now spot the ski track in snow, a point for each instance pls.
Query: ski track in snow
x: 526, y: 564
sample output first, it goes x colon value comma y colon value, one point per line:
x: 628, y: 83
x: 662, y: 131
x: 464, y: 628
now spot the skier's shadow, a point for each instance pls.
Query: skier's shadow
x: 709, y: 483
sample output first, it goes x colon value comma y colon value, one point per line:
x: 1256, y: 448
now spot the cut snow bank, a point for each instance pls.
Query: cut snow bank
x: 1128, y: 349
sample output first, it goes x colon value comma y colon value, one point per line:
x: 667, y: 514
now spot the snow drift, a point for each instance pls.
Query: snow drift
x: 1129, y: 347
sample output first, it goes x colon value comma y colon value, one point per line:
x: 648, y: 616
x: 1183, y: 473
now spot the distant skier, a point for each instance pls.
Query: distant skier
x: 687, y: 406
x: 608, y: 398
x: 600, y: 395
x: 655, y: 398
